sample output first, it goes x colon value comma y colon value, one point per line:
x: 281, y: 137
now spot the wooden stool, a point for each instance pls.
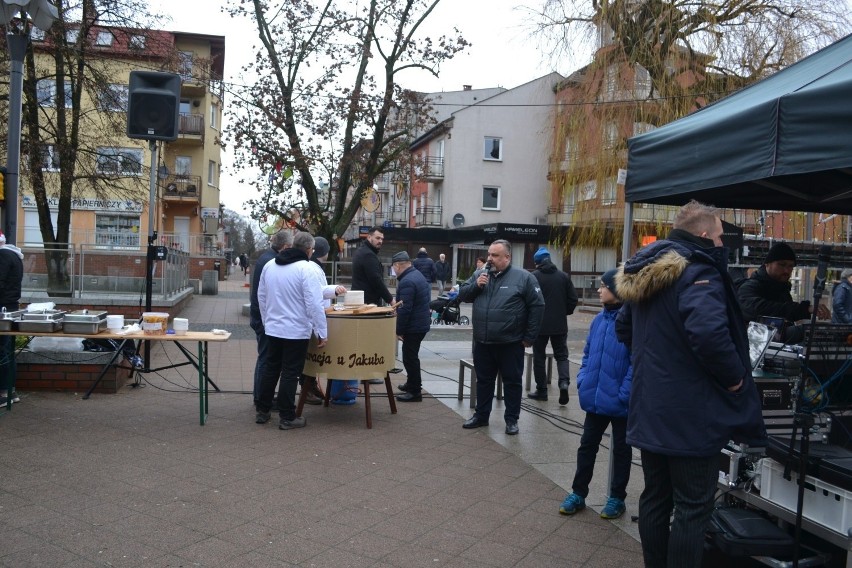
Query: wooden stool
x: 365, y: 384
x: 468, y: 364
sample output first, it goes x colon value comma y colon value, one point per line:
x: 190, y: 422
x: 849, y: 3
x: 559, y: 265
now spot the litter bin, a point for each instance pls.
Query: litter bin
x: 209, y: 282
x: 217, y: 266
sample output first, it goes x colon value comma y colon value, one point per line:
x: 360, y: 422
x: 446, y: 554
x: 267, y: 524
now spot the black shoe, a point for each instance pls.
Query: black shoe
x: 395, y: 370
x: 563, y: 392
x: 538, y: 395
x: 409, y: 397
x: 512, y: 428
x: 474, y: 422
x: 262, y: 417
x: 403, y: 387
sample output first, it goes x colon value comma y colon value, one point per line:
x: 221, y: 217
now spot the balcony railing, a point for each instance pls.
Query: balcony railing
x: 398, y: 213
x: 432, y: 169
x: 181, y: 187
x: 429, y: 216
x: 191, y: 124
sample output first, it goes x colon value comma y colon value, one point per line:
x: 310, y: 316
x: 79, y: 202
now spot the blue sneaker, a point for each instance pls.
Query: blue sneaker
x: 573, y: 503
x: 613, y: 509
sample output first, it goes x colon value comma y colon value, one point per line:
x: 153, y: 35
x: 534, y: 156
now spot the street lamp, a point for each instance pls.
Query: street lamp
x: 43, y: 14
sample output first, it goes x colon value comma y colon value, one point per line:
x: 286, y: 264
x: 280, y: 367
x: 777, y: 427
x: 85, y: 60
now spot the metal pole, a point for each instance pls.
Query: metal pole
x: 17, y: 48
x: 152, y: 236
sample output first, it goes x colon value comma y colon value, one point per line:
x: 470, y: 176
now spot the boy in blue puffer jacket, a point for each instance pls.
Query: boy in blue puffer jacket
x: 603, y: 383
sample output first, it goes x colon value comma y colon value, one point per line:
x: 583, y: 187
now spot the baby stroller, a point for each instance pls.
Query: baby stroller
x: 445, y: 310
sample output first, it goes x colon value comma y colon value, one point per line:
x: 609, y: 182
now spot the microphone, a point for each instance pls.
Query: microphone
x: 487, y: 266
x: 823, y: 259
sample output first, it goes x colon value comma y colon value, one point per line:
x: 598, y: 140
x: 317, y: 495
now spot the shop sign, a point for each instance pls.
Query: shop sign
x: 88, y: 204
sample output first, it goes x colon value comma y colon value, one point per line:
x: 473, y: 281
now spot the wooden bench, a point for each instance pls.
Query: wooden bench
x: 468, y: 364
x: 528, y: 365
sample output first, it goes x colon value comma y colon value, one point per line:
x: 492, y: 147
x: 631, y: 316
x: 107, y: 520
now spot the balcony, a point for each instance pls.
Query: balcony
x: 191, y: 127
x: 429, y: 216
x: 181, y: 188
x: 398, y: 214
x: 561, y: 215
x: 432, y: 169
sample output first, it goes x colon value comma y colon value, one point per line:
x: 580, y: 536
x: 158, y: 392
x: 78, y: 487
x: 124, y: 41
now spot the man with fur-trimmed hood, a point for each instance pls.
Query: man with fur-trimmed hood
x: 692, y: 387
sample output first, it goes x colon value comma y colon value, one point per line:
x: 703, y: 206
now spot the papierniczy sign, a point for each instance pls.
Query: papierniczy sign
x: 88, y: 204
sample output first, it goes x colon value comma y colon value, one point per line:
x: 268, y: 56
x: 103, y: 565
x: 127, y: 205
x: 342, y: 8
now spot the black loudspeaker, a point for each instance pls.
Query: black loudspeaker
x: 153, y: 105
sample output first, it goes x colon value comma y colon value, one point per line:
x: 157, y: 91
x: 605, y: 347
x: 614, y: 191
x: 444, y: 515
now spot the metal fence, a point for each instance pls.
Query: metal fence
x: 98, y: 271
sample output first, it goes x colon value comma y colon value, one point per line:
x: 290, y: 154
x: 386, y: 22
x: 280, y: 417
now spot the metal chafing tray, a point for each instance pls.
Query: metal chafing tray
x: 84, y: 321
x: 7, y: 319
x: 45, y: 321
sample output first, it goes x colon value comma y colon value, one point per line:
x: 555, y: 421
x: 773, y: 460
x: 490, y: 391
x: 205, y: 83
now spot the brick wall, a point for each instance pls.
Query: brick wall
x: 71, y: 372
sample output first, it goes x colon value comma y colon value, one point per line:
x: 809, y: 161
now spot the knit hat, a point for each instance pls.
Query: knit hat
x: 321, y: 248
x: 2, y: 238
x: 608, y: 280
x: 846, y: 274
x: 401, y: 256
x: 780, y: 251
x: 540, y: 255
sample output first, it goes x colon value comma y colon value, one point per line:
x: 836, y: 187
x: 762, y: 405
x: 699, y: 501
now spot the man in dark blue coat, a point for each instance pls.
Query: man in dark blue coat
x: 692, y: 387
x: 560, y: 299
x: 426, y: 266
x: 413, y: 318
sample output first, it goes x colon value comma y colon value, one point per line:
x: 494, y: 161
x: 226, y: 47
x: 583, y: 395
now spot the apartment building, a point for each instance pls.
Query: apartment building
x: 186, y: 209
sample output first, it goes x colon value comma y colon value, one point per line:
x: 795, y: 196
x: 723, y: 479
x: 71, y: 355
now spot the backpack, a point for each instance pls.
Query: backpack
x: 745, y: 532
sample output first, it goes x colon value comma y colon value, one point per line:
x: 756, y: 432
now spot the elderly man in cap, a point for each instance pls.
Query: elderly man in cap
x: 560, y: 299
x: 767, y: 293
x: 413, y: 318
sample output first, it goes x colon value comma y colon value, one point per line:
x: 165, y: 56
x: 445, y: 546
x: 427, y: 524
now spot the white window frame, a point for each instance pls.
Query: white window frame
x: 214, y: 116
x: 104, y: 39
x: 498, y: 197
x: 121, y: 157
x: 37, y: 34
x: 49, y: 158
x: 46, y: 93
x: 211, y: 173
x: 609, y: 195
x: 71, y: 36
x: 116, y: 229
x: 114, y: 98
x: 611, y: 135
x: 185, y: 64
x: 488, y: 149
x: 587, y: 190
x: 136, y: 41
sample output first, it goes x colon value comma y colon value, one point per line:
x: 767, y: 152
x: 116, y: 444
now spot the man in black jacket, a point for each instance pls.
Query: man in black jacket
x: 507, y: 311
x: 413, y: 318
x: 560, y: 299
x: 368, y: 272
x: 11, y: 276
x: 767, y: 293
x: 442, y: 272
x: 426, y: 266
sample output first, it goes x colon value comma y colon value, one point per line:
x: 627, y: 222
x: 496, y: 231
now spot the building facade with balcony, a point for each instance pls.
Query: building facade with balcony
x: 487, y: 162
x: 186, y: 210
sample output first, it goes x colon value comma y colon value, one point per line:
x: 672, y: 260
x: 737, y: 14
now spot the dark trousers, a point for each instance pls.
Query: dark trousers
x: 593, y: 431
x: 262, y: 348
x: 508, y: 360
x: 560, y: 354
x: 411, y: 360
x: 8, y: 366
x: 686, y: 485
x: 285, y: 359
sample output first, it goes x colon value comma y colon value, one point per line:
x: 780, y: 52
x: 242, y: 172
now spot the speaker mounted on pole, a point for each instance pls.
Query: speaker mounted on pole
x: 153, y: 105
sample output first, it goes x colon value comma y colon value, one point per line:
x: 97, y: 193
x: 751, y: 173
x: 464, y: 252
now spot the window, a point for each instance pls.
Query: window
x: 71, y: 36
x: 610, y: 84
x: 49, y: 158
x: 104, y: 39
x: 136, y: 42
x: 120, y: 161
x: 610, y: 191
x: 113, y: 98
x: 642, y: 128
x: 641, y: 82
x: 112, y: 229
x: 185, y: 65
x: 588, y: 190
x: 214, y: 116
x: 37, y: 34
x: 46, y: 93
x: 183, y: 166
x: 211, y: 173
x: 611, y: 138
x: 493, y: 148
x: 491, y: 198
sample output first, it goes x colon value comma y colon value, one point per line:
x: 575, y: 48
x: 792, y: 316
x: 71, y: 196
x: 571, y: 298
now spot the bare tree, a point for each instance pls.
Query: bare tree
x: 72, y: 110
x: 327, y: 113
x: 724, y: 45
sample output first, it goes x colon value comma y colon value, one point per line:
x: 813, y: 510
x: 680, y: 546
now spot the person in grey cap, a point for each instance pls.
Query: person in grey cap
x: 413, y: 318
x: 841, y: 299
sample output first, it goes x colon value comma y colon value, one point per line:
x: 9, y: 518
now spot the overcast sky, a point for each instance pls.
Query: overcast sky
x: 501, y: 54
